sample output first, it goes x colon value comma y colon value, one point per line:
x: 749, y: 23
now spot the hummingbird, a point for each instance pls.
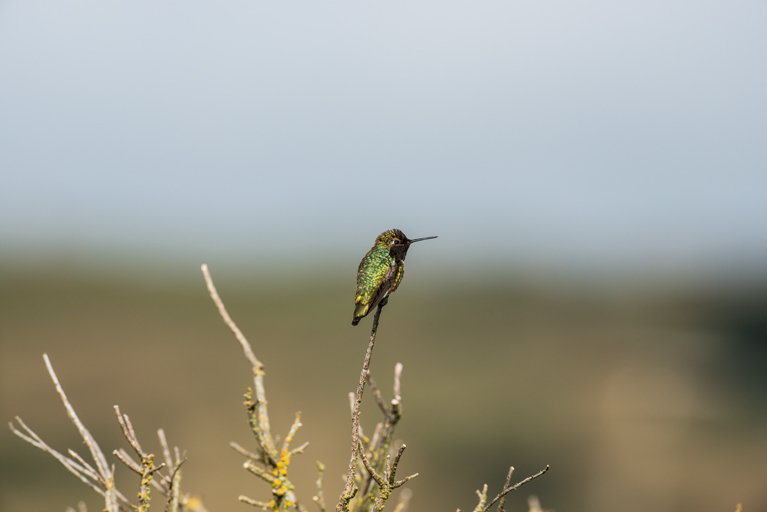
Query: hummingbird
x: 380, y: 271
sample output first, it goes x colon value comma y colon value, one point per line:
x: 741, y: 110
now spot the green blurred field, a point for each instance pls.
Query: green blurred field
x: 638, y: 400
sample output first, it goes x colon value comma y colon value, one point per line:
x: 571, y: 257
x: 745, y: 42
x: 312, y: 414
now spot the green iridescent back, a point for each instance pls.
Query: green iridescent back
x: 372, y: 273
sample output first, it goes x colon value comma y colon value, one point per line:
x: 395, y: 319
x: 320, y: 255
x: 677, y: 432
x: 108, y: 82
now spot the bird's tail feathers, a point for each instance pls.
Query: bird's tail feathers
x: 360, y: 310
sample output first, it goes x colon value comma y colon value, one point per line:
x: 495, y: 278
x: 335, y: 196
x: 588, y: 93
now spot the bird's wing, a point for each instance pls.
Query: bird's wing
x: 372, y: 271
x: 384, y: 289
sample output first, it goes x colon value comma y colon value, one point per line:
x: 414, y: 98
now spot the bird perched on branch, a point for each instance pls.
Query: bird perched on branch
x: 380, y: 271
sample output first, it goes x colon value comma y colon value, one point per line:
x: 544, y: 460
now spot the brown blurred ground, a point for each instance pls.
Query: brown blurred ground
x: 638, y: 401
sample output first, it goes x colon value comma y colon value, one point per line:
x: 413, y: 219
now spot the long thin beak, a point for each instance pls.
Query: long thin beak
x: 424, y: 238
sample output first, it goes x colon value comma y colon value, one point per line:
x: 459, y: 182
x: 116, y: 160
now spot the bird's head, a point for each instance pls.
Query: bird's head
x: 396, y: 242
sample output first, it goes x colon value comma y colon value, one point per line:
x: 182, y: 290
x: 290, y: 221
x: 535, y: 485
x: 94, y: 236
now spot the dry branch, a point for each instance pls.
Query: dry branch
x: 319, y: 499
x: 350, y: 489
x: 276, y: 462
x: 367, y: 488
x: 514, y: 487
x: 100, y: 478
x: 266, y: 441
x: 505, y: 485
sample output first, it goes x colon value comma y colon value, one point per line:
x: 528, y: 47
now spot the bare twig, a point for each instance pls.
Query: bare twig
x: 134, y: 466
x: 165, y: 448
x: 174, y: 487
x: 374, y: 452
x: 147, y: 468
x: 87, y: 468
x: 393, y: 415
x: 127, y: 460
x: 482, y: 499
x: 352, y: 405
x: 257, y: 366
x: 259, y: 504
x: 514, y: 488
x: 262, y: 416
x: 267, y: 477
x: 96, y: 453
x: 276, y: 462
x: 300, y: 449
x: 371, y: 470
x: 505, y: 485
x: 376, y: 394
x: 320, y: 498
x: 246, y: 453
x: 376, y: 435
x: 388, y: 482
x: 293, y: 429
x: 100, y: 478
x: 398, y: 483
x: 350, y: 489
x: 397, y: 376
x: 383, y: 436
x: 72, y: 466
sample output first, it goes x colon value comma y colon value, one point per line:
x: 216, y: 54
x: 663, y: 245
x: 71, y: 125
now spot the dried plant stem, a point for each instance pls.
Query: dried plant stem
x: 482, y: 499
x: 100, y: 478
x: 172, y: 489
x: 350, y: 489
x: 262, y: 416
x: 276, y: 462
x: 380, y: 444
x: 72, y: 466
x: 514, y: 487
x: 105, y: 471
x: 245, y: 453
x: 229, y: 322
x: 389, y: 479
x: 259, y: 504
x: 368, y: 485
x: 320, y: 498
x: 505, y: 486
x: 146, y: 470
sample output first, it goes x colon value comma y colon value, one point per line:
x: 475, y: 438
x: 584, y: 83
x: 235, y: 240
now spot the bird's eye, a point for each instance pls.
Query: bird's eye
x: 396, y: 242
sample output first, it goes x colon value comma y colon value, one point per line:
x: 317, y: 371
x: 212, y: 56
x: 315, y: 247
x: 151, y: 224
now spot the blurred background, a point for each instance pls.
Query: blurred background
x: 596, y: 299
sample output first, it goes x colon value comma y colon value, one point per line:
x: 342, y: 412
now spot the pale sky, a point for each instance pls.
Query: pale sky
x: 582, y: 135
